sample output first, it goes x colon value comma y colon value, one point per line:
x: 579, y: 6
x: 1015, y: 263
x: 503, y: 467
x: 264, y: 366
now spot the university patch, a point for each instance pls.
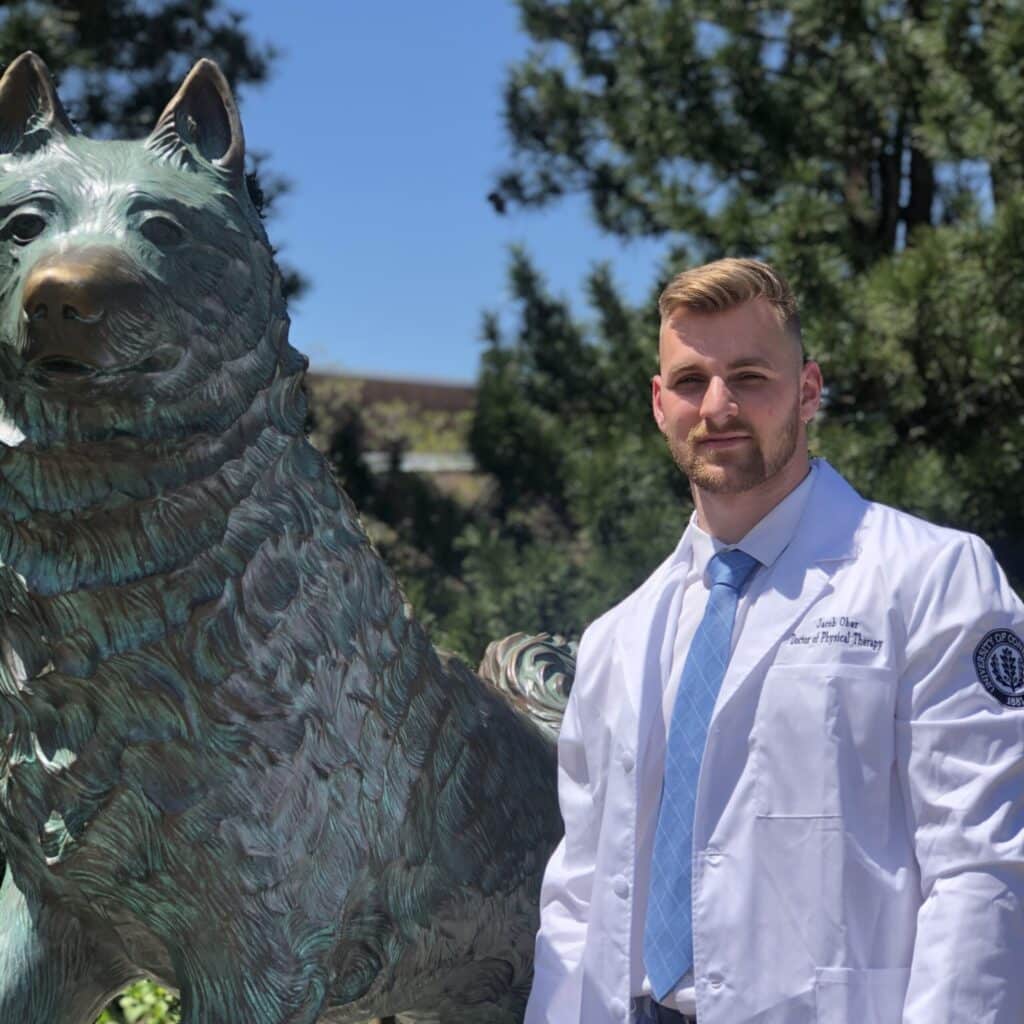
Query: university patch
x: 999, y: 659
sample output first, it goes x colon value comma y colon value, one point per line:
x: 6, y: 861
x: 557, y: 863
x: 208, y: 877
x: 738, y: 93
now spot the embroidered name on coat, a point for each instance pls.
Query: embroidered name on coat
x: 836, y: 629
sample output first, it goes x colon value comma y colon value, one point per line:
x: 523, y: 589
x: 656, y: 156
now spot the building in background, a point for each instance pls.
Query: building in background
x: 396, y: 425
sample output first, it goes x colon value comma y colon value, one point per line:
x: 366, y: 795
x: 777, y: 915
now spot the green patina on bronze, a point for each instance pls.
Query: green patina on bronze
x: 230, y: 759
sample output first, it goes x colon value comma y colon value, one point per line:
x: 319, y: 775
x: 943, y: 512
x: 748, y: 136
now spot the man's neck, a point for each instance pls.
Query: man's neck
x: 730, y: 517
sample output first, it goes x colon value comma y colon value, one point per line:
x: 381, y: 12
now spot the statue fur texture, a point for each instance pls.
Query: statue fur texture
x: 230, y: 759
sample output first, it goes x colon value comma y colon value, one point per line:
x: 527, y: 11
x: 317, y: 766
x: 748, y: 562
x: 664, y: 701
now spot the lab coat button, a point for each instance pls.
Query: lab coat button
x: 620, y: 887
x: 618, y: 1008
x: 712, y: 856
x: 627, y: 761
x: 715, y: 980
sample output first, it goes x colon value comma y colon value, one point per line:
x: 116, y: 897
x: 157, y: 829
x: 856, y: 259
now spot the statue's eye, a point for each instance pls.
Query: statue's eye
x: 24, y: 227
x: 162, y: 231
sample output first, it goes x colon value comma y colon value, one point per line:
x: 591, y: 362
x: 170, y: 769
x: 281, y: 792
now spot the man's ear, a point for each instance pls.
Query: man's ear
x: 31, y: 113
x: 201, y: 120
x: 659, y: 413
x: 811, y: 386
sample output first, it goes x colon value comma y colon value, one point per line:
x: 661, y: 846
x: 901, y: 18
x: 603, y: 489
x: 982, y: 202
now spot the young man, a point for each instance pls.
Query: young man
x: 792, y: 764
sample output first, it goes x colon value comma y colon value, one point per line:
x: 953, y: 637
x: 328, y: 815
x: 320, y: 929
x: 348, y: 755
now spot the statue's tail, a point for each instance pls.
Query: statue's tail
x: 535, y: 673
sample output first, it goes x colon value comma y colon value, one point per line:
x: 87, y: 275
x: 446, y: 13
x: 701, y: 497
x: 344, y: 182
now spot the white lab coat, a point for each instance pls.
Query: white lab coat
x: 859, y: 829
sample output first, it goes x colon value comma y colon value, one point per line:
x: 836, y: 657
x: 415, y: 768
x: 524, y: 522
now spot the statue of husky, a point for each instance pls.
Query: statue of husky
x: 230, y: 760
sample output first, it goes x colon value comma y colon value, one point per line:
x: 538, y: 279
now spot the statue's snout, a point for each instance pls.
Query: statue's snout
x: 67, y: 303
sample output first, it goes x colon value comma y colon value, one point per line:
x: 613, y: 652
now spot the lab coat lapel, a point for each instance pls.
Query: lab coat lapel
x: 825, y: 538
x: 647, y: 634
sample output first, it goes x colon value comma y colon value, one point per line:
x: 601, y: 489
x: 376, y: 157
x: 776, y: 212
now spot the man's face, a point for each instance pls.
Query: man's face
x: 732, y: 396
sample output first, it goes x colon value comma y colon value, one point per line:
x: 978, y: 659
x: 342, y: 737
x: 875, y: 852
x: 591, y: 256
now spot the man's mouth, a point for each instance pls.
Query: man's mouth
x: 723, y: 441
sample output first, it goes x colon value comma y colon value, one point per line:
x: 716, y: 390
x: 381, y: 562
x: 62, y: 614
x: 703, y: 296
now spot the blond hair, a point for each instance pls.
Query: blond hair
x: 727, y: 283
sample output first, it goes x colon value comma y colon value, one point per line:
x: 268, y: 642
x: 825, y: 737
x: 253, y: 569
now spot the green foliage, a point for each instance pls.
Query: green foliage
x: 927, y: 411
x: 536, y: 574
x: 143, y: 1003
x: 398, y: 425
x: 587, y: 501
x: 118, y: 62
x: 741, y: 123
x: 413, y: 523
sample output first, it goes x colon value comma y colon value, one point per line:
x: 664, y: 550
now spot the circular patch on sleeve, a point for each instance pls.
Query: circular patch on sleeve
x: 999, y: 659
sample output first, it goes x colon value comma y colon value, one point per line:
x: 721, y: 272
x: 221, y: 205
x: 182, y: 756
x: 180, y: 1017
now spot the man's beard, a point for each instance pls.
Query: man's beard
x: 739, y: 471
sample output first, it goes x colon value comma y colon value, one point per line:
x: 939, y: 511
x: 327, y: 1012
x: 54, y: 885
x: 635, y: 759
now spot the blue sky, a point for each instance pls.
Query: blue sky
x: 387, y: 118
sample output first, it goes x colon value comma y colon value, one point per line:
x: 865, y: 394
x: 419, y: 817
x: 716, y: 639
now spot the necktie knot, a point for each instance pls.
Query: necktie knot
x: 733, y: 568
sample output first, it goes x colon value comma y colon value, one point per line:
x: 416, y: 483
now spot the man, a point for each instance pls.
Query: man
x: 792, y: 765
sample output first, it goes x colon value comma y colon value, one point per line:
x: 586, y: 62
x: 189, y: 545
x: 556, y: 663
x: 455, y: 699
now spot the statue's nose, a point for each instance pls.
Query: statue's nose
x: 56, y: 292
x: 68, y: 296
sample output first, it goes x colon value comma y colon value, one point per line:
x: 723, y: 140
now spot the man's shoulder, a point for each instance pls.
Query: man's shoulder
x: 900, y: 536
x: 892, y: 534
x: 907, y: 565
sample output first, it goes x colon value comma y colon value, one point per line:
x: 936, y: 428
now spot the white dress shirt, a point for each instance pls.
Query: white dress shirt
x: 765, y: 542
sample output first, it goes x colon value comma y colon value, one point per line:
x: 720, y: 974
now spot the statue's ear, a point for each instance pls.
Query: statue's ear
x: 30, y: 110
x: 202, y: 118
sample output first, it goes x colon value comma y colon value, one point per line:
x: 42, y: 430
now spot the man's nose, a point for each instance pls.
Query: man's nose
x: 719, y: 404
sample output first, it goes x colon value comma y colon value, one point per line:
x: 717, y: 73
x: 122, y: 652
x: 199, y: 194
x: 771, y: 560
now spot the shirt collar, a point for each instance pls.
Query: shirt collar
x: 766, y: 540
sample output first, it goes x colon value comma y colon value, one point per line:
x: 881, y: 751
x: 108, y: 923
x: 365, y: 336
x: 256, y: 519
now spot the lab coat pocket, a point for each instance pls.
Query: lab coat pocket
x: 873, y: 996
x: 823, y: 741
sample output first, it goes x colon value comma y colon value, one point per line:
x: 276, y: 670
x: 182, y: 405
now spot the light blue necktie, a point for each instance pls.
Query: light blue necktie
x: 668, y: 930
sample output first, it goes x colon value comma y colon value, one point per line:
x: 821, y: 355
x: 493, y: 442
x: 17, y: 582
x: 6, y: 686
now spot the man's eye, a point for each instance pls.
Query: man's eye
x: 162, y: 231
x: 24, y: 227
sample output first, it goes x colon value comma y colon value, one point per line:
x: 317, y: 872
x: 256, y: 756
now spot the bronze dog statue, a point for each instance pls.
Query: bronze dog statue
x: 230, y: 760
